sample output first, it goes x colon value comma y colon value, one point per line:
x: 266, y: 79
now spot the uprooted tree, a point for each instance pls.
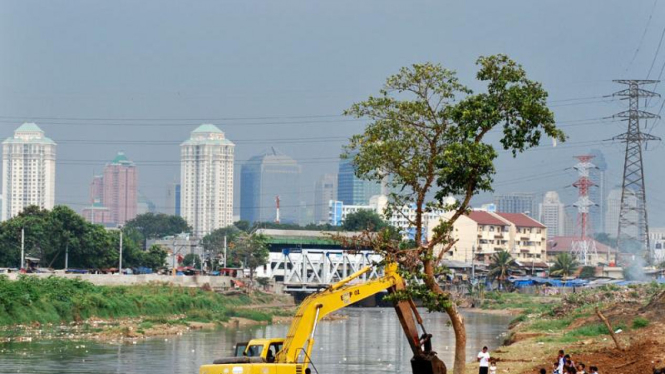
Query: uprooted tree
x: 427, y: 137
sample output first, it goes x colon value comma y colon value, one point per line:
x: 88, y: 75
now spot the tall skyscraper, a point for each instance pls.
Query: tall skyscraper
x: 206, y: 176
x: 598, y: 192
x: 552, y: 214
x: 120, y: 189
x: 516, y: 202
x: 262, y: 179
x: 352, y: 190
x: 614, y: 207
x: 172, y: 204
x: 324, y: 191
x: 28, y: 170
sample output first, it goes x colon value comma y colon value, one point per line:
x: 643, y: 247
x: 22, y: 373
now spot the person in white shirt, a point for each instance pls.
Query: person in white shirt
x: 492, y: 367
x: 484, y: 361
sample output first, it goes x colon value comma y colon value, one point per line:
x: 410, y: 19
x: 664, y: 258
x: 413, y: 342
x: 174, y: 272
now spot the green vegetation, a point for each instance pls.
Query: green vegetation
x: 640, y: 322
x: 511, y: 300
x: 564, y: 265
x: 364, y: 220
x: 501, y: 264
x: 60, y: 300
x: 153, y: 226
x: 50, y: 234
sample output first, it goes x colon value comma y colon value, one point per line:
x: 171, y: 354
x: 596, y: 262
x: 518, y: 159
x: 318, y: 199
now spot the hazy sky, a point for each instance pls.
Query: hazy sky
x: 138, y: 76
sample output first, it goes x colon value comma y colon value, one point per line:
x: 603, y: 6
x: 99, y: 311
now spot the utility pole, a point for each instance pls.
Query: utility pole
x: 120, y: 261
x: 225, y: 264
x: 633, y: 218
x: 22, y: 248
x: 67, y: 256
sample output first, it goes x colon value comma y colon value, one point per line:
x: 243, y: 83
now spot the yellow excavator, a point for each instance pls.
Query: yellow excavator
x: 292, y: 355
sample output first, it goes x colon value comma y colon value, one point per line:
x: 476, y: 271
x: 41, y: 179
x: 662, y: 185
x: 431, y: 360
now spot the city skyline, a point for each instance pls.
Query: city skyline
x: 291, y: 95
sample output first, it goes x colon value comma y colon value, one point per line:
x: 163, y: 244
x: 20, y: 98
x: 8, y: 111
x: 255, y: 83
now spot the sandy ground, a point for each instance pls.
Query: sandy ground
x: 643, y: 349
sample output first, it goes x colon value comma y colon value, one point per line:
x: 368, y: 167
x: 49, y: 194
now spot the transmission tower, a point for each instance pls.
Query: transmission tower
x: 584, y: 248
x: 633, y: 219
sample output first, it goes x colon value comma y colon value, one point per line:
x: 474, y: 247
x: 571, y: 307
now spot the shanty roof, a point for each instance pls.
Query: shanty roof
x: 521, y: 220
x: 276, y: 236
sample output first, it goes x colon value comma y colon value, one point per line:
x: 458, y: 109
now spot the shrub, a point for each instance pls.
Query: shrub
x: 640, y: 322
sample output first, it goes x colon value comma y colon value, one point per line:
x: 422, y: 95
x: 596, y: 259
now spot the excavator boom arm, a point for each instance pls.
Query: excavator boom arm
x: 299, y: 340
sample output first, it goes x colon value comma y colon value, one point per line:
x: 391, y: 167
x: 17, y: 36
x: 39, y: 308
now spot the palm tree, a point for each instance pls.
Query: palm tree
x: 500, y: 266
x: 564, y: 265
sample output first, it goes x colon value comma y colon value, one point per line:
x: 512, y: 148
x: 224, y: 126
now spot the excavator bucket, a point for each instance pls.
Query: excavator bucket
x: 427, y: 364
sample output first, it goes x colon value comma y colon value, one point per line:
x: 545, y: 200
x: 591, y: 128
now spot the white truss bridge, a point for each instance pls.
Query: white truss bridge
x: 308, y: 270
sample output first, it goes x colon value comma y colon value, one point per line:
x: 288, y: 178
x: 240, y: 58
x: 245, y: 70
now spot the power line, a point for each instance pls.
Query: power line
x: 646, y: 28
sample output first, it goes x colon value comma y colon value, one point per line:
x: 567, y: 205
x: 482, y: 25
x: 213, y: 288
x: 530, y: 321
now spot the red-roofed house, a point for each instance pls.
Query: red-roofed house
x: 559, y: 244
x: 481, y: 234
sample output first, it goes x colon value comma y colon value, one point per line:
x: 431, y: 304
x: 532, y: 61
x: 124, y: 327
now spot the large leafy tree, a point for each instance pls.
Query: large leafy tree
x: 51, y: 235
x: 364, y: 220
x: 564, y: 265
x: 501, y: 265
x: 213, y: 243
x: 427, y: 135
x: 252, y: 251
x: 155, y: 225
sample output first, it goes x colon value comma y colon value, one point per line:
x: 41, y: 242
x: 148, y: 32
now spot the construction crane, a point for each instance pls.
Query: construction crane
x: 292, y: 355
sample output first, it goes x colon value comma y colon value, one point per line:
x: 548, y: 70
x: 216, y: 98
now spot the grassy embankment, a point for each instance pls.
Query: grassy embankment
x: 547, y: 324
x: 38, y: 301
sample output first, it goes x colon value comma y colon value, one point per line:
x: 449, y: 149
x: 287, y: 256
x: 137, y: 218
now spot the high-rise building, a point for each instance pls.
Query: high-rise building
x: 597, y: 193
x: 120, y: 189
x: 144, y: 205
x: 28, y: 170
x: 262, y: 179
x: 325, y: 190
x: 613, y: 209
x: 516, y: 202
x: 352, y: 190
x: 172, y: 204
x: 552, y: 214
x: 98, y: 214
x: 206, y: 174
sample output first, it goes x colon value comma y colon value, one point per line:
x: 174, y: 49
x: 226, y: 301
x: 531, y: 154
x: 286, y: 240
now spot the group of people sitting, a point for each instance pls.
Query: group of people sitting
x: 565, y: 365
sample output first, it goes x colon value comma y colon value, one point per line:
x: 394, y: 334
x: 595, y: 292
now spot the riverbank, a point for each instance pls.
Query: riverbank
x: 55, y: 307
x: 570, y: 322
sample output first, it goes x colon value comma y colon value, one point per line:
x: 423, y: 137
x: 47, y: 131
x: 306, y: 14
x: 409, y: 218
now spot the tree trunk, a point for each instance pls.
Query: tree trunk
x: 459, y: 366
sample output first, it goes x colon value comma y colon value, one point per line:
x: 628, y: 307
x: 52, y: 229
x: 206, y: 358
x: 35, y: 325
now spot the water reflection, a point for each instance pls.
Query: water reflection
x: 369, y: 341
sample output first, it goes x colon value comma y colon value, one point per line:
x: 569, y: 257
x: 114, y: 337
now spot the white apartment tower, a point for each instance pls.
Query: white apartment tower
x: 28, y: 171
x: 552, y: 214
x: 206, y: 176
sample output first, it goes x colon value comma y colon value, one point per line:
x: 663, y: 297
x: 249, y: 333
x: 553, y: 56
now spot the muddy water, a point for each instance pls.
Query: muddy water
x: 369, y: 341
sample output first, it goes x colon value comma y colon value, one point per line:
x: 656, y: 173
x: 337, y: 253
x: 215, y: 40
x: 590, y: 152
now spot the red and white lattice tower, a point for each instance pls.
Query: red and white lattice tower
x: 583, y: 247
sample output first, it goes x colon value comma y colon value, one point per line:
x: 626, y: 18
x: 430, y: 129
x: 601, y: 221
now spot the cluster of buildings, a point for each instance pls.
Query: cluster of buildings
x: 519, y: 223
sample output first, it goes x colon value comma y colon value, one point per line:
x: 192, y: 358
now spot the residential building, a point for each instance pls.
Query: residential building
x: 324, y: 191
x: 206, y: 167
x: 516, y: 202
x: 28, y: 170
x: 552, y: 214
x: 265, y: 177
x: 480, y: 234
x: 597, y: 193
x: 120, y: 189
x: 352, y: 190
x: 602, y: 256
x: 172, y: 204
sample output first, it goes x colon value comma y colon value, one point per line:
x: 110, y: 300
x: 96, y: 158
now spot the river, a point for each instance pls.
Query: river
x: 369, y: 341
